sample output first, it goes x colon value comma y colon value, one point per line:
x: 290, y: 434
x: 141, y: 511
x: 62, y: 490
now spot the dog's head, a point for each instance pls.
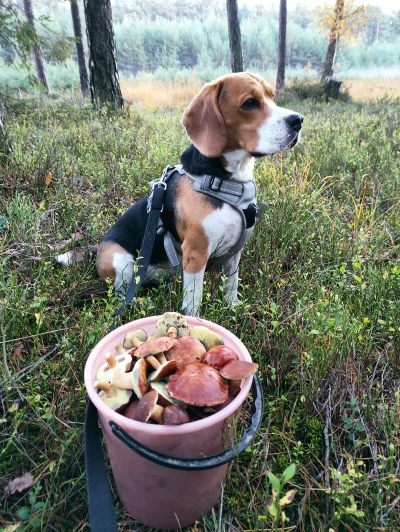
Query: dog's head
x: 237, y: 111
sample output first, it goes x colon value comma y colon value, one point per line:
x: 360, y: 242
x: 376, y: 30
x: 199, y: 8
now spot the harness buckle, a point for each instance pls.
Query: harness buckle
x: 215, y: 183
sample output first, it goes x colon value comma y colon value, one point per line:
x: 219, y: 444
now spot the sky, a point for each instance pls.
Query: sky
x: 387, y: 6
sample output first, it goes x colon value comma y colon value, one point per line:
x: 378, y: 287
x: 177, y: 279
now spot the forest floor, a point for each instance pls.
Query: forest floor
x: 319, y: 311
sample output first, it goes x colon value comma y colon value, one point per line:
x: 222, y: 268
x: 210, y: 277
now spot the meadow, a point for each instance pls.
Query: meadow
x: 319, y: 310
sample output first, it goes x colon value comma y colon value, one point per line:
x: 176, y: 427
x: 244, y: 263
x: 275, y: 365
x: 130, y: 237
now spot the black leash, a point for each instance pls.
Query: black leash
x: 101, y: 508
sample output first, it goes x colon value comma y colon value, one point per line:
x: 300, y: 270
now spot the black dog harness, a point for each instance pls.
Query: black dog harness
x: 241, y: 196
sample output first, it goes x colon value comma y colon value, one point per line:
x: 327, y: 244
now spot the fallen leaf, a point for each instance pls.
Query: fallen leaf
x: 20, y: 483
x: 17, y: 350
x: 76, y: 236
x: 11, y: 528
x: 48, y: 177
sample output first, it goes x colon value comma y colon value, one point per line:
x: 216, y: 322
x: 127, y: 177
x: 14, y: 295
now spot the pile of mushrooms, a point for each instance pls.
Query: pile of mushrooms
x: 178, y: 375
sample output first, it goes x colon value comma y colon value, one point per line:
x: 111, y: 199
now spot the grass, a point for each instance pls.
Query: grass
x: 319, y: 312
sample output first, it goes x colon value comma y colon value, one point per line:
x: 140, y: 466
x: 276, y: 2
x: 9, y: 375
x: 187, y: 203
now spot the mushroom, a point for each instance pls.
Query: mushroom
x: 136, y: 333
x: 219, y: 356
x: 154, y: 347
x: 113, y: 397
x: 206, y: 336
x: 186, y: 350
x: 172, y: 319
x: 148, y: 408
x: 174, y: 415
x: 106, y: 371
x: 136, y: 380
x: 162, y: 371
x: 235, y: 371
x: 198, y: 385
x: 172, y: 332
x: 164, y: 399
x: 120, y: 349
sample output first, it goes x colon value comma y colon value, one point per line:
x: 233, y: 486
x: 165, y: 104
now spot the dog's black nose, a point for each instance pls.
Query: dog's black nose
x: 295, y: 120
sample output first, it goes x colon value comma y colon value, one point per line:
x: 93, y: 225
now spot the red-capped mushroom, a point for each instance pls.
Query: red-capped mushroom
x: 174, y: 415
x: 148, y: 408
x: 198, y: 385
x: 153, y: 347
x: 219, y: 356
x: 235, y: 371
x: 163, y: 371
x: 186, y: 350
x: 164, y: 399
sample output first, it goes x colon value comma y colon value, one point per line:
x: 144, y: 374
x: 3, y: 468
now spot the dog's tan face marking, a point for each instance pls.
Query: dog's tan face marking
x: 242, y: 125
x: 237, y: 112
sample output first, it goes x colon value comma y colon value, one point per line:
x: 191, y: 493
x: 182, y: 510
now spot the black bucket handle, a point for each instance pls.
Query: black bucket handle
x: 206, y: 462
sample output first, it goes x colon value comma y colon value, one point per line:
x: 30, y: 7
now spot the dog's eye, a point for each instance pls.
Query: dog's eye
x: 250, y: 104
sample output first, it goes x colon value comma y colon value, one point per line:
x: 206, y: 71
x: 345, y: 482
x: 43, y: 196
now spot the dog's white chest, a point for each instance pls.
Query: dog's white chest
x: 223, y: 228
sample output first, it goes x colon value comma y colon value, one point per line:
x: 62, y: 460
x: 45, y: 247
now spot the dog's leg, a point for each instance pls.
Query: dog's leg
x: 194, y: 259
x: 231, y: 270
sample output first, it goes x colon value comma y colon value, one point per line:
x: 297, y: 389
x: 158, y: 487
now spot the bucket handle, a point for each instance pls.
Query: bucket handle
x: 206, y: 462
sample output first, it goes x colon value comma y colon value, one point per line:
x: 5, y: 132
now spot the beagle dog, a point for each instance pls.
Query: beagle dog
x: 209, y: 208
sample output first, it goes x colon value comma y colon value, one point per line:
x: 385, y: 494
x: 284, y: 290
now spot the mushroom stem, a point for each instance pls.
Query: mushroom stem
x: 154, y: 363
x: 136, y: 342
x: 106, y: 387
x: 120, y: 349
x: 157, y: 414
x: 161, y: 358
x: 111, y: 360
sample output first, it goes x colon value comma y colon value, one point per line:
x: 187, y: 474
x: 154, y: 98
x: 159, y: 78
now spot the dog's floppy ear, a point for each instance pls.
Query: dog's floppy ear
x: 203, y: 121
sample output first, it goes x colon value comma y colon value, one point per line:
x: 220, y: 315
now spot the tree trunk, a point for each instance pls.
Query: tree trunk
x: 37, y: 50
x: 76, y: 21
x: 104, y: 80
x: 5, y: 148
x: 235, y: 39
x: 280, y: 75
x: 333, y: 41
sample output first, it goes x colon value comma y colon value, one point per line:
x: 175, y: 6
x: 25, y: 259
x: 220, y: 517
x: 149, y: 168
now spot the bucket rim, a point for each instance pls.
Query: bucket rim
x: 148, y: 324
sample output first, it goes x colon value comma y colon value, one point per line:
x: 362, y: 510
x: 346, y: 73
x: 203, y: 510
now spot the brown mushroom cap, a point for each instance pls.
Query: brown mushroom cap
x: 163, y: 371
x: 146, y: 406
x: 198, y: 385
x: 186, y: 350
x: 136, y: 333
x: 153, y: 347
x: 219, y: 356
x: 174, y: 415
x: 238, y: 369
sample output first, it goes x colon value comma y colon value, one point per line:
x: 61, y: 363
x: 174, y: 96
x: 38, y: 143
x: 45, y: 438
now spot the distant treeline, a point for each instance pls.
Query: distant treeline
x: 158, y: 35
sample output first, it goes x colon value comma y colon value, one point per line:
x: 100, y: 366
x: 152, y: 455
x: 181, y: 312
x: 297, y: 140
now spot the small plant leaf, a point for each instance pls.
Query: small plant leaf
x: 289, y: 473
x: 37, y: 506
x: 272, y: 509
x: 274, y: 481
x: 24, y: 513
x: 287, y: 498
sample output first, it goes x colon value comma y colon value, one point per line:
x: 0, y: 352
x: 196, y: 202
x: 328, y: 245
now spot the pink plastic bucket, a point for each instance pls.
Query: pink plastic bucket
x: 157, y: 490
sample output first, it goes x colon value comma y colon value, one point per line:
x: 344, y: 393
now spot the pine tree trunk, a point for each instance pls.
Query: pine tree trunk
x: 76, y: 21
x: 280, y: 75
x: 235, y: 39
x: 5, y: 149
x: 333, y: 41
x: 37, y: 51
x: 104, y: 80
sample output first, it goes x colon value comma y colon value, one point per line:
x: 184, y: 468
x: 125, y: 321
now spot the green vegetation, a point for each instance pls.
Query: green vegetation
x: 319, y: 312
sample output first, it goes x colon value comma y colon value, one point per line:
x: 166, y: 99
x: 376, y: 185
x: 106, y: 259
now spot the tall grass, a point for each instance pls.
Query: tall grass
x: 319, y: 288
